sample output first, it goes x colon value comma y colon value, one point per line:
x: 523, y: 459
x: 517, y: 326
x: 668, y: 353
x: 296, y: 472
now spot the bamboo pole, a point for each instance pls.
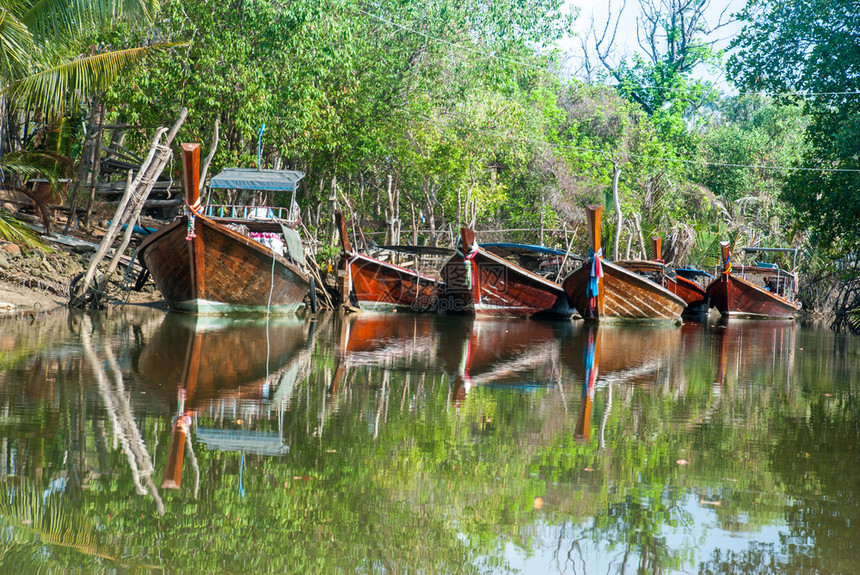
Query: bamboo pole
x: 139, y: 190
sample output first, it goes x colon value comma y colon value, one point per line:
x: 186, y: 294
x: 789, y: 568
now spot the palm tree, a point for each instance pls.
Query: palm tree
x: 45, y: 59
x: 48, y: 66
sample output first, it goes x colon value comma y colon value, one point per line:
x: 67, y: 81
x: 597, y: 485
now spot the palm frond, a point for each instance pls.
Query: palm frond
x: 14, y: 231
x: 16, y: 46
x: 54, y: 19
x: 854, y: 319
x: 26, y: 510
x: 51, y: 164
x: 70, y: 83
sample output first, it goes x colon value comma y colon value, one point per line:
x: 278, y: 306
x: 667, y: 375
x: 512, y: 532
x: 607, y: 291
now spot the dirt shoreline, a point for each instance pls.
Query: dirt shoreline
x: 18, y: 297
x: 36, y: 280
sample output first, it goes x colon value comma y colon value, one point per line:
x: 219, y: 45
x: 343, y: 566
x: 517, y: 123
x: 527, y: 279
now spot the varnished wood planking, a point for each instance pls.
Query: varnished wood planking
x: 505, y: 289
x: 734, y: 296
x: 692, y: 293
x: 375, y: 281
x: 625, y: 295
x: 238, y: 270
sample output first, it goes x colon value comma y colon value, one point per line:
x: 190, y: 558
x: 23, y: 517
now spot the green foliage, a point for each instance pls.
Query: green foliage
x: 750, y: 142
x: 811, y: 48
x: 47, y: 60
x: 39, y: 519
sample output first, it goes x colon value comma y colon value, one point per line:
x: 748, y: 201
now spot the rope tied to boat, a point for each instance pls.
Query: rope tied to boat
x: 192, y: 211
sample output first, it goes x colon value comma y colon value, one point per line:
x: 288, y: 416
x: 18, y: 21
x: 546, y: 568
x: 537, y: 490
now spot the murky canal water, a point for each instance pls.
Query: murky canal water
x: 138, y: 441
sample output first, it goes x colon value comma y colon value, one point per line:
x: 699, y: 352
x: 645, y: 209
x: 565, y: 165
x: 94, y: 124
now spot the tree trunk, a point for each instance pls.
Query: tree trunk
x: 79, y: 182
x: 616, y: 174
x: 97, y: 152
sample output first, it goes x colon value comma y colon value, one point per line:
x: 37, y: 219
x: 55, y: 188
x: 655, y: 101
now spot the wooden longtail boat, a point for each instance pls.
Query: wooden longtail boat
x: 754, y: 292
x: 603, y: 291
x: 374, y: 284
x: 202, y: 266
x: 679, y: 283
x: 478, y: 282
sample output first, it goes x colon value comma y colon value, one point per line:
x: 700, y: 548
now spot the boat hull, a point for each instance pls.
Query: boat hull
x: 736, y: 297
x: 381, y: 286
x: 623, y: 296
x: 692, y: 293
x: 220, y: 272
x: 499, y: 288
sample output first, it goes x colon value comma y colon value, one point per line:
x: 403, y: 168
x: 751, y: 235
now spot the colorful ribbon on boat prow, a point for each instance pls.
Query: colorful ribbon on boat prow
x: 467, y: 262
x: 593, y: 282
x: 727, y: 265
x: 192, y: 211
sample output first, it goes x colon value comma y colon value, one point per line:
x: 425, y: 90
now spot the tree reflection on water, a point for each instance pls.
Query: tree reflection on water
x: 388, y: 443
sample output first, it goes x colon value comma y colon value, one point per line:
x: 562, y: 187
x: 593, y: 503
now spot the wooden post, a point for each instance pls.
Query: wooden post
x: 191, y: 183
x: 467, y: 244
x: 594, y: 215
x: 191, y: 172
x: 151, y: 168
x: 148, y: 175
x: 342, y: 279
x: 656, y: 247
x: 340, y: 223
x: 97, y: 152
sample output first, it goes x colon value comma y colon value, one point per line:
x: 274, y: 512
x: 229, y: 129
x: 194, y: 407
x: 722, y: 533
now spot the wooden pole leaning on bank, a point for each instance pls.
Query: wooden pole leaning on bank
x: 87, y: 294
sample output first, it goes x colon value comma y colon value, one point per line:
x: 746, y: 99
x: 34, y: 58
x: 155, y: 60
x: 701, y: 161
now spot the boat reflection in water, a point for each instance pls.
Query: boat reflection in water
x: 611, y: 355
x: 634, y: 354
x: 212, y: 365
x: 469, y: 351
x: 392, y: 341
x: 511, y: 353
x: 591, y: 362
x: 747, y: 346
